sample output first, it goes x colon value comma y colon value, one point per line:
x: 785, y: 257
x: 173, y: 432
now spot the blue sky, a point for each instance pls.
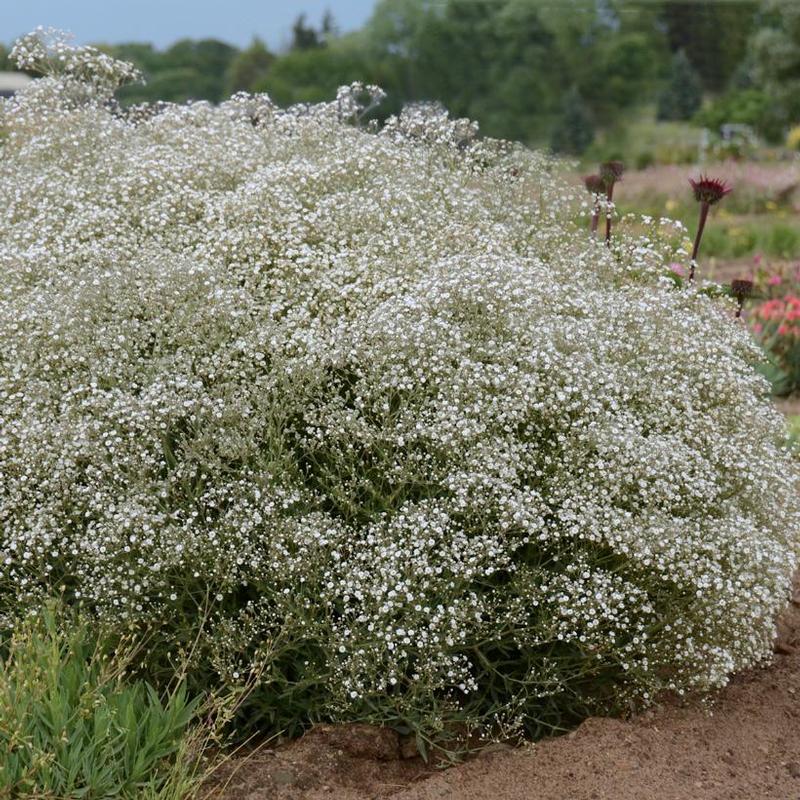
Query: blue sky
x: 164, y: 21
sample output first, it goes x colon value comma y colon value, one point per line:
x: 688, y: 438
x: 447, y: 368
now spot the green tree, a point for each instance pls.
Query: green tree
x: 752, y: 107
x: 483, y: 59
x: 144, y: 56
x: 328, y: 29
x: 304, y: 36
x: 209, y: 59
x: 775, y: 54
x: 614, y: 51
x: 574, y: 131
x: 503, y: 62
x: 313, y: 75
x: 713, y: 34
x: 683, y: 94
x: 188, y: 70
x: 249, y: 67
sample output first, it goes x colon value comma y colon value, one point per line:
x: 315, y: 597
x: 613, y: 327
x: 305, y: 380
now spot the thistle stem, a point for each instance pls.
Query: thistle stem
x: 609, y: 212
x: 700, y: 226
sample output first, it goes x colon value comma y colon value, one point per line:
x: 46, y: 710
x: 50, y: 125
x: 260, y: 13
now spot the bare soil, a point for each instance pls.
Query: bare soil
x: 743, y: 746
x: 789, y: 406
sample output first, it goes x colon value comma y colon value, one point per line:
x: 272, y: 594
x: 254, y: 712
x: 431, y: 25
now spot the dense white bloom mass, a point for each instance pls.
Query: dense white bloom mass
x: 374, y: 399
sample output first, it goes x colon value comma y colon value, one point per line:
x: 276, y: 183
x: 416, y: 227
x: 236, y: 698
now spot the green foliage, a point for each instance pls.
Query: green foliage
x: 188, y: 70
x: 574, y: 132
x: 793, y: 424
x: 307, y: 37
x: 495, y: 61
x: 483, y: 60
x: 311, y: 75
x: 683, y: 94
x: 750, y: 106
x: 248, y: 67
x: 775, y: 238
x: 641, y: 141
x: 775, y: 55
x: 304, y: 37
x: 71, y: 726
x: 713, y: 34
x: 626, y: 72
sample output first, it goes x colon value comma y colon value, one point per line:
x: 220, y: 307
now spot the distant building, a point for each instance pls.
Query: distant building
x: 11, y: 82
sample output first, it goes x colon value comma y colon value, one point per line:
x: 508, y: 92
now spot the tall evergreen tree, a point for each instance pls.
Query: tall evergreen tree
x: 304, y: 36
x: 775, y: 55
x: 714, y: 34
x: 328, y: 29
x: 683, y: 94
x: 574, y: 131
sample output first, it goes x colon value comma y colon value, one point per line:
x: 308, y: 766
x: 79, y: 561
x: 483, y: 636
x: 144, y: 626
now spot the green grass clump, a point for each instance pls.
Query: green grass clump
x: 793, y: 424
x: 71, y: 726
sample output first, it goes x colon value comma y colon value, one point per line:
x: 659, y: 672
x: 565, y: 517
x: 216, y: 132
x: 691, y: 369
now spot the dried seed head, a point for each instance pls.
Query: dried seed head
x: 594, y: 184
x: 611, y: 172
x: 741, y: 288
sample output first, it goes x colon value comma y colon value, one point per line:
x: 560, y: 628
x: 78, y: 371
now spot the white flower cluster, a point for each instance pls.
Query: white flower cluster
x: 49, y: 51
x: 377, y: 401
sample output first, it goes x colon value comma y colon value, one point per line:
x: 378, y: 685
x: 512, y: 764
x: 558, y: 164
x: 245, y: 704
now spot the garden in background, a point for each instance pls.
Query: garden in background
x: 755, y: 236
x: 360, y: 417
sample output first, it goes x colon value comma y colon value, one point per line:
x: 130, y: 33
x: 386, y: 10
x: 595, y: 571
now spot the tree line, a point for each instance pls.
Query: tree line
x: 533, y: 70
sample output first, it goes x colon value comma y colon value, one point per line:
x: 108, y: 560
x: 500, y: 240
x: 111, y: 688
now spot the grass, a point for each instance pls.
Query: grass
x: 793, y: 423
x: 742, y: 237
x: 73, y: 726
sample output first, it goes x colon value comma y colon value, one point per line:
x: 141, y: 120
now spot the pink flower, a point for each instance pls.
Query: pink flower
x: 678, y: 269
x: 774, y: 280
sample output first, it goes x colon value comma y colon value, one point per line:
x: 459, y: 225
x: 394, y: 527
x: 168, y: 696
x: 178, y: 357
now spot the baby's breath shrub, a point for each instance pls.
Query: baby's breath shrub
x: 366, y: 413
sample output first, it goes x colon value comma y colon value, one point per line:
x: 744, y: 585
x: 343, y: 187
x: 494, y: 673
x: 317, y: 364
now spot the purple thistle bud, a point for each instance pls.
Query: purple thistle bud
x: 611, y: 172
x: 741, y: 289
x: 709, y: 190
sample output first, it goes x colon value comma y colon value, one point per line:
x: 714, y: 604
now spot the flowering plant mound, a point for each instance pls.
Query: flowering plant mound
x: 365, y: 413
